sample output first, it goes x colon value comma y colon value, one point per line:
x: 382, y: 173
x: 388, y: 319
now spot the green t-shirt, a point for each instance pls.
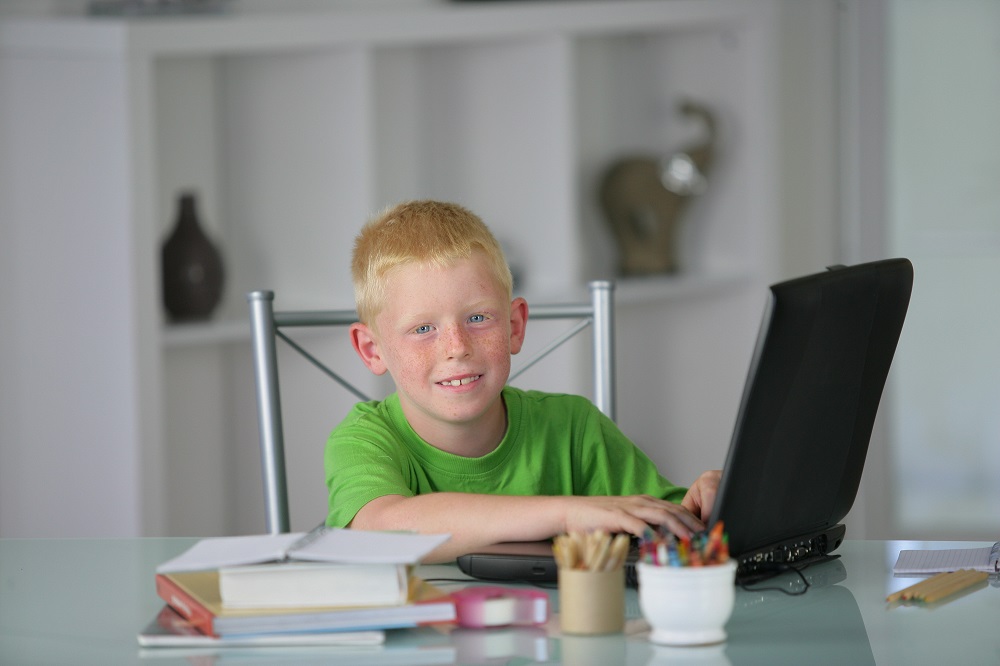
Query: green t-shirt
x: 556, y: 444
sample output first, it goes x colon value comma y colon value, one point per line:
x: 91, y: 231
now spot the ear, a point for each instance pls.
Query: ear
x: 518, y: 323
x: 366, y: 345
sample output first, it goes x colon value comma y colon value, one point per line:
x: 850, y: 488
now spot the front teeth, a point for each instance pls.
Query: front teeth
x: 461, y: 382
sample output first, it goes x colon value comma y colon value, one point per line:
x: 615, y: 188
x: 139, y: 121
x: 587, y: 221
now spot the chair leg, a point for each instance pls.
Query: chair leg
x: 272, y: 448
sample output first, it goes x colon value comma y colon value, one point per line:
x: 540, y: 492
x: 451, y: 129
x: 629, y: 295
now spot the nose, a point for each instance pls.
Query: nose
x: 457, y: 342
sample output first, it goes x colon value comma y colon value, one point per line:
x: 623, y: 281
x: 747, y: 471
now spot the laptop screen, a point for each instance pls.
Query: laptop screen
x: 809, y: 403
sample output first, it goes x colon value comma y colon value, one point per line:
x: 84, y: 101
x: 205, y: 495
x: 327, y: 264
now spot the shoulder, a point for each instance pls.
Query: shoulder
x: 374, y: 419
x: 550, y: 407
x: 531, y: 400
x: 369, y: 437
x: 372, y: 411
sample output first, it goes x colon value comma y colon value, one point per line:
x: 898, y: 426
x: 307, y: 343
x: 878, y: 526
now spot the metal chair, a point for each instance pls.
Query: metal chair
x: 266, y: 326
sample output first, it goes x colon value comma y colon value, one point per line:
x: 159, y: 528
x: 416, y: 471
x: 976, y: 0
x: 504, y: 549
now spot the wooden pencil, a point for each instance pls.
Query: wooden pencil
x: 949, y: 581
x: 960, y: 583
x: 596, y: 551
x: 619, y: 552
x: 602, y: 550
x: 919, y: 590
x: 939, y: 586
x: 910, y: 592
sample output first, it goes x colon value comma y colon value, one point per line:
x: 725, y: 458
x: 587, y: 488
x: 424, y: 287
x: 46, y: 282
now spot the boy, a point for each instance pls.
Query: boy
x: 454, y: 449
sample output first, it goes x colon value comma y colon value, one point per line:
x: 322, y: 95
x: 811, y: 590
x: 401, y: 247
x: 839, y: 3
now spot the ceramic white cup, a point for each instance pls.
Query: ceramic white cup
x: 687, y: 605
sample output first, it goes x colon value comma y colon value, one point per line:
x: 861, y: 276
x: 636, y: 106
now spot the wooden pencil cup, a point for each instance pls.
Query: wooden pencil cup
x: 592, y: 602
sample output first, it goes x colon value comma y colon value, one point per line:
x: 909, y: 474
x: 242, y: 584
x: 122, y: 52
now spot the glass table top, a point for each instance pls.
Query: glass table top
x: 84, y: 601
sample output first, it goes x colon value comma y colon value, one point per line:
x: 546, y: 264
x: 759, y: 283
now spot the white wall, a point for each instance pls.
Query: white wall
x: 806, y: 60
x: 809, y: 150
x: 943, y: 211
x: 36, y: 308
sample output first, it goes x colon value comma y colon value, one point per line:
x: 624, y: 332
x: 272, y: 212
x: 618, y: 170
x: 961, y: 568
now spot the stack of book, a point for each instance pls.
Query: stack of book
x: 330, y: 586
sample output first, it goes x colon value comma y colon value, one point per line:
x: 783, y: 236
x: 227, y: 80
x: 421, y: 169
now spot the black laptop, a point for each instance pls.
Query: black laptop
x: 803, y: 427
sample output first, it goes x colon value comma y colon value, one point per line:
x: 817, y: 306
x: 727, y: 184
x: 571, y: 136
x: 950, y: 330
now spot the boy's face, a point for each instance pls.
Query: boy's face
x: 446, y: 336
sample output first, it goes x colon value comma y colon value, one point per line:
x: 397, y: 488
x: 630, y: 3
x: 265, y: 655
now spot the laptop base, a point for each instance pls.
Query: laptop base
x: 533, y: 563
x: 799, y: 551
x: 527, y: 562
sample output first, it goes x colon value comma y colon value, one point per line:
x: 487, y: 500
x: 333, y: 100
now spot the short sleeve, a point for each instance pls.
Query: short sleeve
x: 362, y: 461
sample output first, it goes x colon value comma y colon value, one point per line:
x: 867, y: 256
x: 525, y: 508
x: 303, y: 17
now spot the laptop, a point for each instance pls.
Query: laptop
x: 802, y: 430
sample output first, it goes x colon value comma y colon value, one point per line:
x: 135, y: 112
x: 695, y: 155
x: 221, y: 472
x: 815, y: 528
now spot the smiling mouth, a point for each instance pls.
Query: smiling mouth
x: 460, y: 382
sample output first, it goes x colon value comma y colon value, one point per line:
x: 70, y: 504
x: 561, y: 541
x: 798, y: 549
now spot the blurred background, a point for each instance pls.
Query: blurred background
x: 846, y: 130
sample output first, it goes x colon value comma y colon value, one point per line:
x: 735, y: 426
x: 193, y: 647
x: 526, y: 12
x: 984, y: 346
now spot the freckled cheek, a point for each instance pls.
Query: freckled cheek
x: 498, y: 349
x: 412, y: 365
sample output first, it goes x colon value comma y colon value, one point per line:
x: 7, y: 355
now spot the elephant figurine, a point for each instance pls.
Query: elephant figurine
x: 644, y: 199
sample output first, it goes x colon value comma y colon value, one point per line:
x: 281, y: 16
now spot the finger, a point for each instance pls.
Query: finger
x: 688, y: 521
x: 635, y: 517
x: 699, y: 504
x: 700, y: 498
x: 635, y: 526
x: 674, y: 517
x: 707, y: 503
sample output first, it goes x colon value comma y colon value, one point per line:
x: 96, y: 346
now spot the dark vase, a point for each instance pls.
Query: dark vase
x: 192, y: 266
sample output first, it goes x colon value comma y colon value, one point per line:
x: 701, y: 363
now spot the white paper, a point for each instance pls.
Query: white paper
x: 353, y: 546
x: 333, y: 545
x: 181, y: 634
x: 231, y: 551
x: 940, y: 561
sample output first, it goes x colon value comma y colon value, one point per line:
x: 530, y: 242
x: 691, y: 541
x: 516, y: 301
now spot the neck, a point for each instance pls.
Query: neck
x: 471, y: 439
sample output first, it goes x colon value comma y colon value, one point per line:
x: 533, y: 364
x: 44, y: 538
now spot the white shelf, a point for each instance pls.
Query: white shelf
x: 295, y: 125
x: 662, y: 289
x: 629, y: 291
x: 206, y: 333
x: 366, y: 24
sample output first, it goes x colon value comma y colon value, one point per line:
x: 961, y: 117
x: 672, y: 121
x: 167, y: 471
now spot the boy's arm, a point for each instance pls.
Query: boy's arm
x: 478, y: 520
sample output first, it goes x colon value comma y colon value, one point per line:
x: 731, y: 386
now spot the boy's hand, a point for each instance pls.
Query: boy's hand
x: 631, y: 513
x: 700, y: 497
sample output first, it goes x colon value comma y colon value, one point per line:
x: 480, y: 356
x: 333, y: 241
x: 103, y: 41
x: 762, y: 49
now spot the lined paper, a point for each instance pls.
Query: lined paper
x: 953, y: 559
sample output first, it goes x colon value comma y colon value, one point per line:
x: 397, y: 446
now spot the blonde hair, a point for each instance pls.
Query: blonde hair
x: 434, y: 233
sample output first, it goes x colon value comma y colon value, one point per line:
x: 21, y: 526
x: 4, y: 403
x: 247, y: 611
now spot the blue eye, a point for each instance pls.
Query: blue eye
x: 422, y: 329
x: 477, y: 319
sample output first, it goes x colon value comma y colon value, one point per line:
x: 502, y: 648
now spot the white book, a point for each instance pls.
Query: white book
x: 313, y: 584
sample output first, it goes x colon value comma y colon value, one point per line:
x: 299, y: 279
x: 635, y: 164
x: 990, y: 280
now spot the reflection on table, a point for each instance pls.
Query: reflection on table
x: 83, y: 601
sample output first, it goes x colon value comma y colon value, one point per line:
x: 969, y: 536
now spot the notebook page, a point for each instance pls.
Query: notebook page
x: 952, y: 559
x: 320, y: 545
x: 218, y: 552
x: 346, y: 545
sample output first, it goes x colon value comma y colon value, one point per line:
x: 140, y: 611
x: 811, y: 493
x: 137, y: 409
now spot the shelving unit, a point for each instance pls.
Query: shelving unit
x: 294, y: 127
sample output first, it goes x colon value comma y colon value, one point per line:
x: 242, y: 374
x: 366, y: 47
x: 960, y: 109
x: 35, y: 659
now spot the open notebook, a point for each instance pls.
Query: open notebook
x: 803, y: 427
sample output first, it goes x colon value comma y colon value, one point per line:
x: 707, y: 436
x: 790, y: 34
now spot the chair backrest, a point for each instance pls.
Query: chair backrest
x: 266, y: 326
